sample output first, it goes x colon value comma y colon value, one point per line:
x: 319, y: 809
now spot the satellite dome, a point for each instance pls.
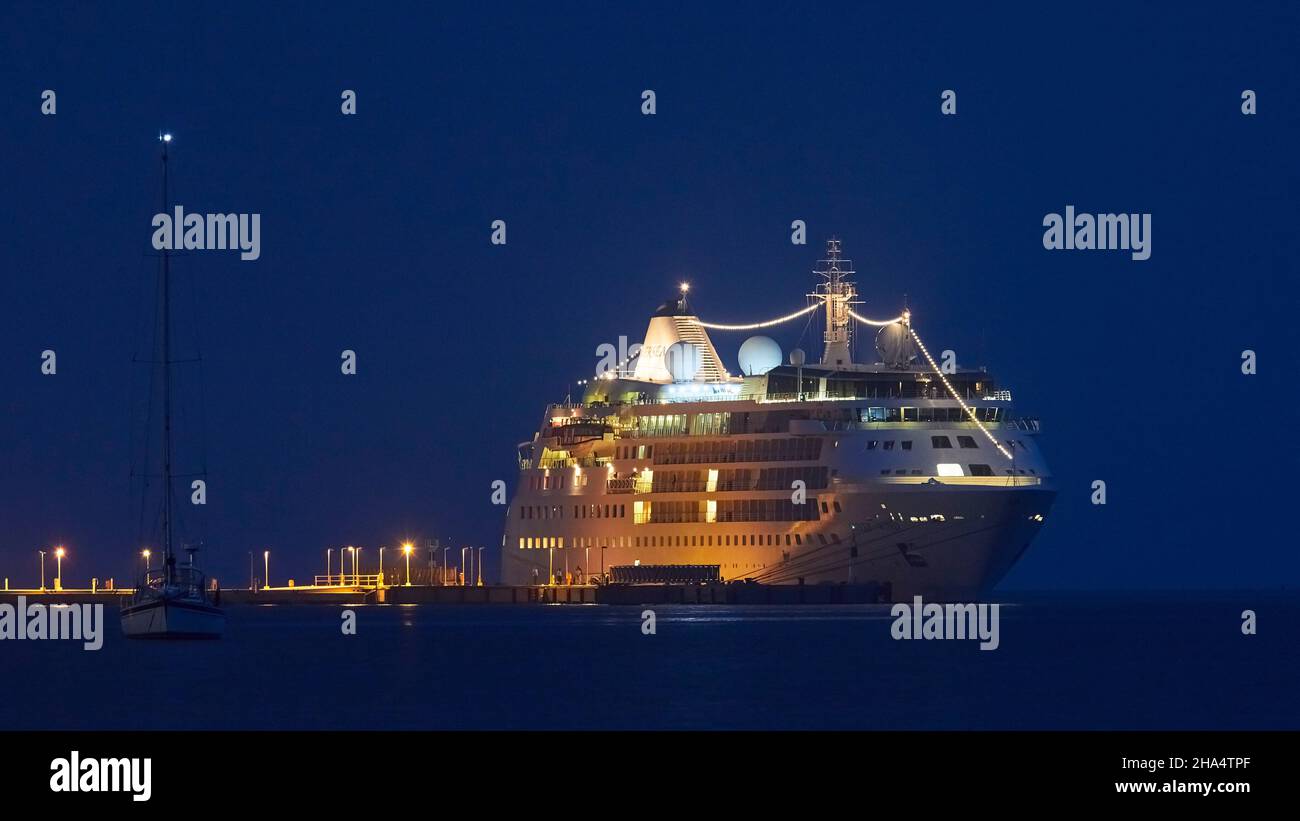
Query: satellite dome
x: 894, y: 344
x: 683, y: 361
x: 758, y: 355
x: 797, y: 357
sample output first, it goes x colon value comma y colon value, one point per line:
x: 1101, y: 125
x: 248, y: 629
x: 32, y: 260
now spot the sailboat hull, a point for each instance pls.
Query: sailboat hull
x: 172, y: 619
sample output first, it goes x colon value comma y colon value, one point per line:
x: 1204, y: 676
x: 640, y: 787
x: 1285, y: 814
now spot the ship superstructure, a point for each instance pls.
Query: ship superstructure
x: 907, y: 473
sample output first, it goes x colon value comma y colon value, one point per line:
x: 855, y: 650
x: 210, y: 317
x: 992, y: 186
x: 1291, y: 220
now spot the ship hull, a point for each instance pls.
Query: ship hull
x: 941, y: 542
x: 163, y: 618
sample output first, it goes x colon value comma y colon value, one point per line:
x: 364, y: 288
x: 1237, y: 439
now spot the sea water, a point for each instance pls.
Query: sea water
x: 1064, y: 661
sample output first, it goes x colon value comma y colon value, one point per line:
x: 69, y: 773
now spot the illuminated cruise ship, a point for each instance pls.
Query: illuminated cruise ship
x: 910, y: 473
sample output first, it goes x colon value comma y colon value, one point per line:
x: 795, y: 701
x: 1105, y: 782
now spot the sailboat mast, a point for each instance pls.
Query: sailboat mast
x: 167, y: 381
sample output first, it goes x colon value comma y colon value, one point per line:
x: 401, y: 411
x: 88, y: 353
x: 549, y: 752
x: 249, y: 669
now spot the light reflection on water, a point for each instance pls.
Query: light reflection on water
x: 1069, y: 662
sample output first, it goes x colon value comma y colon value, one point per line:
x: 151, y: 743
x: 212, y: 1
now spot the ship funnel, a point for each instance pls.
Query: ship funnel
x: 677, y: 348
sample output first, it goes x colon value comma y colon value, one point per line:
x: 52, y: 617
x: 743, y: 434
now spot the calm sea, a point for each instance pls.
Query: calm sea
x: 1113, y: 661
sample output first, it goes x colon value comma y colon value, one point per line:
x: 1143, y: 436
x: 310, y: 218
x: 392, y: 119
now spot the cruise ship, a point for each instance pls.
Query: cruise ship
x: 909, y: 473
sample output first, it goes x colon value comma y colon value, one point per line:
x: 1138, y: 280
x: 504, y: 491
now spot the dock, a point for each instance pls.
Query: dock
x: 724, y: 593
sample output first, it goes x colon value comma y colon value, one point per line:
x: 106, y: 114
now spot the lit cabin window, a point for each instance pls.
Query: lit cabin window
x: 949, y: 470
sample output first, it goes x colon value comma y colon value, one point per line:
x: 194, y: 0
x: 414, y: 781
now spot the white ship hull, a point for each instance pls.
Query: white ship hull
x: 163, y: 618
x: 941, y: 542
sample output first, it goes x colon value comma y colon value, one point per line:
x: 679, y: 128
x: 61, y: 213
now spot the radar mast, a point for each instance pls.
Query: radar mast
x: 838, y: 292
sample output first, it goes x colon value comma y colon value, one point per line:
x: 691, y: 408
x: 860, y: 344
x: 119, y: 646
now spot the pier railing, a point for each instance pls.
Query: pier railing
x: 348, y: 580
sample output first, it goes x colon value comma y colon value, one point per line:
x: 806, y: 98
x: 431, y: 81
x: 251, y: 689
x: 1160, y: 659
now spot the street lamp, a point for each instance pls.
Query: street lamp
x: 381, y: 564
x: 463, y: 577
x: 407, y: 548
x: 146, y: 555
x: 42, y: 552
x: 58, y: 579
x: 446, y: 551
x: 329, y: 563
x: 480, y: 567
x: 266, y: 562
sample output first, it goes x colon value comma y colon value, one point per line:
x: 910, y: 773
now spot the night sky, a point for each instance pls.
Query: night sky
x: 375, y: 237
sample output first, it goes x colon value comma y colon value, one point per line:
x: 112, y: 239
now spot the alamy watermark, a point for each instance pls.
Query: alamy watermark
x: 53, y: 622
x: 946, y: 621
x: 208, y: 232
x: 1099, y: 232
x: 128, y: 775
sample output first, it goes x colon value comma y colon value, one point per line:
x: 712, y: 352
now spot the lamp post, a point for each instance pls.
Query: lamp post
x: 146, y: 555
x: 479, y: 567
x: 407, y: 548
x: 42, y: 552
x: 381, y: 565
x: 252, y: 580
x: 58, y: 578
x: 329, y: 563
x: 358, y: 564
x: 266, y: 561
x: 446, y: 551
x: 463, y: 578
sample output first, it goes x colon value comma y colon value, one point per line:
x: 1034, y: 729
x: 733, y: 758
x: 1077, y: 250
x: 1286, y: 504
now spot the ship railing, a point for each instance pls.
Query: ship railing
x: 191, y: 578
x: 1029, y: 424
x: 626, y: 485
x: 573, y: 462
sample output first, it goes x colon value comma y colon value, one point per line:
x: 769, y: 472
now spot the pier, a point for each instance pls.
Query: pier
x: 733, y: 593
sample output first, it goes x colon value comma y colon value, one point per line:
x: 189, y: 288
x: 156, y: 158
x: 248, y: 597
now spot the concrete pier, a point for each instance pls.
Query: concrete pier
x: 610, y: 594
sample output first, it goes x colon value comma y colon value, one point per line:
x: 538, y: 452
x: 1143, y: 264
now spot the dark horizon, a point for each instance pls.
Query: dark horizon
x: 375, y: 238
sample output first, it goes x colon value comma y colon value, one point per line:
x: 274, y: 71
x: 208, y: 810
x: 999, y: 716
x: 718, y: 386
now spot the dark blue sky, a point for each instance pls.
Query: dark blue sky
x: 375, y: 237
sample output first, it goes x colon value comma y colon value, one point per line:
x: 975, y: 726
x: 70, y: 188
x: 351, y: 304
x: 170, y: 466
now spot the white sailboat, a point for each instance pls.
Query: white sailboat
x: 171, y: 601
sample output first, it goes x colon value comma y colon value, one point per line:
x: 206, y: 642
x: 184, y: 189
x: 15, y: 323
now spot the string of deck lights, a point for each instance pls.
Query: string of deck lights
x: 879, y: 323
x: 757, y: 325
x: 969, y: 411
x: 905, y: 319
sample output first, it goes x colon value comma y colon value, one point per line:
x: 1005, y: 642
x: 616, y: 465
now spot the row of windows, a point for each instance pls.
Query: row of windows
x: 730, y: 479
x: 556, y: 481
x: 875, y: 387
x: 709, y: 540
x: 909, y: 414
x: 724, y: 510
x: 579, y: 511
x: 935, y: 442
x: 975, y: 470
x: 788, y: 449
x: 710, y: 424
x: 635, y: 451
x: 673, y: 424
x: 945, y: 442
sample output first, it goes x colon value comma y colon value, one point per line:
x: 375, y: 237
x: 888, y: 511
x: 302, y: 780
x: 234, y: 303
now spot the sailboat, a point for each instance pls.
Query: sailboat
x: 171, y: 601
